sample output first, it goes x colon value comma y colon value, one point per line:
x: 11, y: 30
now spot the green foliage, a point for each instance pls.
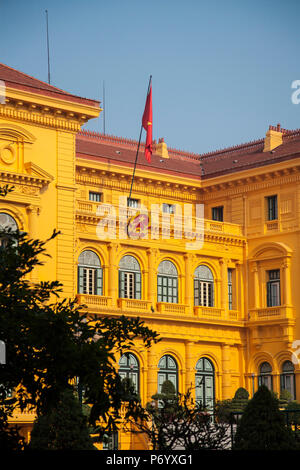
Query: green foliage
x: 179, y: 423
x: 293, y: 418
x: 10, y: 440
x: 64, y: 427
x: 241, y: 394
x: 285, y: 398
x: 225, y: 408
x: 50, y: 342
x: 262, y: 426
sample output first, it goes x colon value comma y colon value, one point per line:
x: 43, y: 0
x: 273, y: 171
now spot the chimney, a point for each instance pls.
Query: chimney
x: 161, y: 149
x: 273, y: 138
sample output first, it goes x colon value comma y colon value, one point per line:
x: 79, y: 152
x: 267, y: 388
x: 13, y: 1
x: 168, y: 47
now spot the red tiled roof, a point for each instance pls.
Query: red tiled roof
x: 95, y: 146
x: 91, y: 145
x: 19, y: 80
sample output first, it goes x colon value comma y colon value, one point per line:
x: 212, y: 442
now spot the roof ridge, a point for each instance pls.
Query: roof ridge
x: 108, y: 137
x: 48, y: 87
x: 233, y: 148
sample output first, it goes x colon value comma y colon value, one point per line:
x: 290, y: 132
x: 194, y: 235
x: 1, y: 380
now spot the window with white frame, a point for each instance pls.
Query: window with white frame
x: 168, y: 208
x: 287, y: 378
x: 7, y: 222
x: 273, y: 288
x: 95, y: 197
x: 167, y: 282
x: 265, y: 375
x: 130, y: 284
x: 90, y: 276
x: 203, y: 287
x: 129, y: 369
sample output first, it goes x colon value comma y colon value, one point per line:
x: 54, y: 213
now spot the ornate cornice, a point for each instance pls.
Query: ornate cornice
x: 41, y: 115
x: 111, y: 179
x: 252, y: 183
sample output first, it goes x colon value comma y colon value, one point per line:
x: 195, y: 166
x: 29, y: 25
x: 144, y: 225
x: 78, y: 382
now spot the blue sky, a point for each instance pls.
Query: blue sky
x: 222, y: 70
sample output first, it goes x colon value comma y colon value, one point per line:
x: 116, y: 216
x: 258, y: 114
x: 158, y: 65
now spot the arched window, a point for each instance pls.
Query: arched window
x: 287, y: 378
x: 167, y: 282
x: 129, y: 369
x: 265, y: 375
x: 90, y: 276
x: 7, y: 222
x: 203, y: 287
x: 205, y: 383
x: 168, y: 370
x: 129, y: 278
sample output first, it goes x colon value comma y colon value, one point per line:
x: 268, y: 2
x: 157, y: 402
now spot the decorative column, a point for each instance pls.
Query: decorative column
x: 152, y: 374
x: 189, y: 284
x: 286, y: 290
x: 190, y: 367
x: 113, y: 273
x: 152, y: 276
x: 256, y: 303
x: 224, y: 285
x: 226, y: 383
x: 237, y: 291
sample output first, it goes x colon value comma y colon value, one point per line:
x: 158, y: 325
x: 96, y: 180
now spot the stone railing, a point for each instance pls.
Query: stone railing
x: 210, y: 312
x: 271, y: 313
x: 171, y: 309
x: 95, y: 302
x: 134, y: 304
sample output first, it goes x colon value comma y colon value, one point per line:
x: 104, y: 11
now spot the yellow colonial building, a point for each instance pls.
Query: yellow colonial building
x: 222, y: 291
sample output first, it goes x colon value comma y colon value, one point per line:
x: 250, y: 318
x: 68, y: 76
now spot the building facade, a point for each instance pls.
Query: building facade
x: 227, y: 308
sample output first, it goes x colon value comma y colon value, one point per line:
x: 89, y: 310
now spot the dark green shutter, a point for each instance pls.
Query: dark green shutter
x: 121, y: 284
x: 99, y: 281
x: 80, y: 279
x: 269, y: 295
x: 137, y: 286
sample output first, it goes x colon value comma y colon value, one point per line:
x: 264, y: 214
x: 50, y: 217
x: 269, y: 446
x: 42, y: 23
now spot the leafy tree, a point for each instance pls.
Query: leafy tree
x: 262, y: 426
x: 64, y: 427
x: 225, y: 408
x: 284, y: 399
x: 180, y: 423
x: 50, y: 342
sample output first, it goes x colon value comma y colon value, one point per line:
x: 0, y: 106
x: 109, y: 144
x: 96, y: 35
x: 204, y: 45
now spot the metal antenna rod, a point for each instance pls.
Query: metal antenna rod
x: 103, y: 107
x: 48, y: 47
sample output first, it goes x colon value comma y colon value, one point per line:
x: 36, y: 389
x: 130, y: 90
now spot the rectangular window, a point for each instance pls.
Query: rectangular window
x: 90, y: 281
x: 217, y: 213
x: 272, y: 213
x: 95, y: 197
x: 168, y: 208
x: 134, y: 203
x: 129, y: 285
x: 230, y: 289
x: 273, y: 288
x: 203, y: 293
x: 167, y: 289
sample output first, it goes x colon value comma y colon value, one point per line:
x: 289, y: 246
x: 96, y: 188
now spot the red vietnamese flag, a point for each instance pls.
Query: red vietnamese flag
x: 147, y: 124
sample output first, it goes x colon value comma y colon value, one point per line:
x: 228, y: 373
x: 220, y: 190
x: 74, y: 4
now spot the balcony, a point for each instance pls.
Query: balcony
x: 164, y: 225
x: 271, y: 313
x: 94, y: 302
x: 134, y: 305
x: 171, y: 309
x: 209, y: 312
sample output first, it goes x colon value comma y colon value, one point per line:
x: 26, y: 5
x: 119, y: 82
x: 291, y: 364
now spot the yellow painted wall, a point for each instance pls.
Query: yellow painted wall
x: 37, y: 155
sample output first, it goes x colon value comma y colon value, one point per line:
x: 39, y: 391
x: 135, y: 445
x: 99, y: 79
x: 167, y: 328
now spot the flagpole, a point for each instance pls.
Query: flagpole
x: 137, y: 152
